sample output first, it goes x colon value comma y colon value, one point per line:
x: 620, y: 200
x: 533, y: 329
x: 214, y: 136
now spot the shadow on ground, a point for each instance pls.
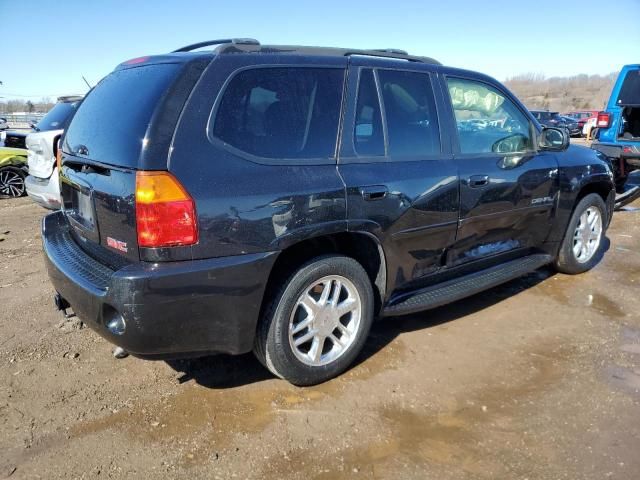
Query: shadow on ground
x: 228, y: 371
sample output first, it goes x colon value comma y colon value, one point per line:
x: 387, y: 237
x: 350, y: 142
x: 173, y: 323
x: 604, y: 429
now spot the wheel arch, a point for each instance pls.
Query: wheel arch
x: 363, y: 247
x: 602, y: 188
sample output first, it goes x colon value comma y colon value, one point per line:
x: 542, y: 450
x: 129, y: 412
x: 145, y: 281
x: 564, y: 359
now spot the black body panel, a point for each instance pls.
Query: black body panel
x: 195, y: 307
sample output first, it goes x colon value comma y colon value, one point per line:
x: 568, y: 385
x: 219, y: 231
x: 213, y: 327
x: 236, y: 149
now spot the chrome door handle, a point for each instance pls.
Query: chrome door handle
x: 374, y: 192
x: 476, y: 181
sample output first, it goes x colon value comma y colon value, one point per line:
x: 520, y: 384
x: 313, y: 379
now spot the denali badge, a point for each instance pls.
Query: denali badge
x: 538, y: 201
x: 117, y: 244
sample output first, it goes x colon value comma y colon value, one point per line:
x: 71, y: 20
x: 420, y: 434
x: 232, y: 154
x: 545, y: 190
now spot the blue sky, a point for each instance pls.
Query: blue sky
x: 501, y: 38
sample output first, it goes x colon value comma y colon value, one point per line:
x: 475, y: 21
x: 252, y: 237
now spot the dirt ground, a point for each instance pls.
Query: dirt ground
x: 536, y: 379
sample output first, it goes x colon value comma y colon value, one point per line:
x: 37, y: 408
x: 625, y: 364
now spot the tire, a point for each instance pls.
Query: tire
x: 12, y: 182
x: 276, y: 337
x: 583, y: 245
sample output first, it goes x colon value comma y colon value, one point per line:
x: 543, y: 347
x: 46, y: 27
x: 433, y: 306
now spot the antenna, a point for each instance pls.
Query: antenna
x: 85, y: 81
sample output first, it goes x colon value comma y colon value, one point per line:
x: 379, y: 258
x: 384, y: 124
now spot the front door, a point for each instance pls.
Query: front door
x: 508, y: 189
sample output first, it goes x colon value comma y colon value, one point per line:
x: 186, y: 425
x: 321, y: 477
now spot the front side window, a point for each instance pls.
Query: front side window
x: 410, y: 113
x: 282, y: 112
x: 488, y: 122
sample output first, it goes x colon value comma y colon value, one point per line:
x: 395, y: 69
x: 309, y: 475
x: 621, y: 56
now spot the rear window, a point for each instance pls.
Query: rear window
x: 630, y: 90
x: 58, y: 117
x: 282, y: 113
x: 112, y: 121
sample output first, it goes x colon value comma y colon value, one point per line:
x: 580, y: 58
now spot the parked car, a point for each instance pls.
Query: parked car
x: 277, y: 204
x: 553, y: 119
x: 13, y: 170
x: 572, y: 125
x: 15, y: 139
x: 582, y: 116
x: 4, y: 125
x: 618, y: 132
x: 589, y: 127
x: 42, y: 183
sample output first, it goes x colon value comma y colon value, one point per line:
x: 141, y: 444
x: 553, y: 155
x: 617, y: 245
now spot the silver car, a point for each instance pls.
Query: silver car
x: 42, y: 183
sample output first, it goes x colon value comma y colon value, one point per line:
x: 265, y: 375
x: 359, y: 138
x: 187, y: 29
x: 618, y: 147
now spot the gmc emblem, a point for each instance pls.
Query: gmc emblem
x: 117, y: 244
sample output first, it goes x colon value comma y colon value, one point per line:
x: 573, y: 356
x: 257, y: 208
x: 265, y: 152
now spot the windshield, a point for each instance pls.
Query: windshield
x: 58, y: 117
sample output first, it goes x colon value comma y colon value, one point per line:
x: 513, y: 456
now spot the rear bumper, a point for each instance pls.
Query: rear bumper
x: 44, y: 191
x: 170, y: 309
x: 628, y: 151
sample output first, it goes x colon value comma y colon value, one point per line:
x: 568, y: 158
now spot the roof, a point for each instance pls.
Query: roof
x: 248, y: 45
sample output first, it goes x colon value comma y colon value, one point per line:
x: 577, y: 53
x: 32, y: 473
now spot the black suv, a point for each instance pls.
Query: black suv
x: 278, y: 198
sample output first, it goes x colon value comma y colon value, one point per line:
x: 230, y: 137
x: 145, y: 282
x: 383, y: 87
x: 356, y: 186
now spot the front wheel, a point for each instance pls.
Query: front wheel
x: 583, y: 243
x: 317, y: 324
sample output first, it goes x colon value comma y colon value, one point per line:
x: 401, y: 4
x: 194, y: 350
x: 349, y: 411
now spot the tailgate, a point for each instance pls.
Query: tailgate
x: 99, y: 204
x: 107, y: 141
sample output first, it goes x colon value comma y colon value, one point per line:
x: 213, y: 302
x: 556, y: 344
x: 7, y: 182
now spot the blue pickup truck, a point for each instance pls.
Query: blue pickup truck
x: 618, y: 133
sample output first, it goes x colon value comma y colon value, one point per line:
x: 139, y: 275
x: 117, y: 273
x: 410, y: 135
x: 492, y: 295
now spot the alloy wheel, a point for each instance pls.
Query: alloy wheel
x: 587, y: 236
x: 325, y: 320
x: 11, y: 183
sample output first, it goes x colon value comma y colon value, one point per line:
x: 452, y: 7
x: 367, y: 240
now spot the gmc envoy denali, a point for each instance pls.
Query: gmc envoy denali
x: 278, y: 198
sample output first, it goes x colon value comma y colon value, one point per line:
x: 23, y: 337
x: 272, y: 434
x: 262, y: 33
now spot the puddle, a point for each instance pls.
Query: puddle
x: 626, y: 379
x: 454, y: 437
x: 606, y: 306
x: 216, y: 418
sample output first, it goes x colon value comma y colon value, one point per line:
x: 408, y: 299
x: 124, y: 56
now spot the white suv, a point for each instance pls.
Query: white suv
x: 42, y: 183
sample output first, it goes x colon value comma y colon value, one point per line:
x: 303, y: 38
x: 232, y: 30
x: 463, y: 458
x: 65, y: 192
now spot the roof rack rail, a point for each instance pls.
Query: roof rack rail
x: 235, y: 41
x: 392, y: 53
x: 396, y: 51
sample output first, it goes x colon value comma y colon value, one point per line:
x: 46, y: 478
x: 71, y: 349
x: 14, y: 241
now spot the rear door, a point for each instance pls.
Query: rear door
x: 106, y: 142
x: 508, y: 189
x: 400, y: 178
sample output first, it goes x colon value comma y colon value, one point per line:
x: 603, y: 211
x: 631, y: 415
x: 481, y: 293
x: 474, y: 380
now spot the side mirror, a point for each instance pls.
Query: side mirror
x: 554, y: 139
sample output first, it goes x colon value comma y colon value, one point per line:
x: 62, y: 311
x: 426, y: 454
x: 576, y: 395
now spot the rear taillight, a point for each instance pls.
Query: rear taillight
x: 604, y: 120
x: 165, y: 213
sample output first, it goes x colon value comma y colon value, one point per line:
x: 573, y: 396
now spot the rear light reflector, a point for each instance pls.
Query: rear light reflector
x: 165, y: 213
x: 604, y: 120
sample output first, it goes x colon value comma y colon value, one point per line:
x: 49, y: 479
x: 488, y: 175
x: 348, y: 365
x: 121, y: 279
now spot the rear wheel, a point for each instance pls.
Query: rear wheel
x: 583, y: 244
x: 316, y: 325
x: 12, y: 182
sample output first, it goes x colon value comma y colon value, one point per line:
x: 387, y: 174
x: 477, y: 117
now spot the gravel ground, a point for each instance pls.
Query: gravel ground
x: 536, y: 379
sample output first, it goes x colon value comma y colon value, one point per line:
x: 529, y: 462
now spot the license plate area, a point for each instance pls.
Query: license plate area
x: 80, y: 211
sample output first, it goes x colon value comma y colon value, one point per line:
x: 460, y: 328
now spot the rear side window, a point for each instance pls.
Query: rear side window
x: 410, y: 113
x: 112, y: 121
x: 368, y: 133
x: 58, y: 117
x: 282, y: 113
x: 630, y: 90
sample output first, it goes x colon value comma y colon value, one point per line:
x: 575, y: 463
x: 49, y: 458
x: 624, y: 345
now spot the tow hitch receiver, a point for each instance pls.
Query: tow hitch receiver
x: 62, y: 305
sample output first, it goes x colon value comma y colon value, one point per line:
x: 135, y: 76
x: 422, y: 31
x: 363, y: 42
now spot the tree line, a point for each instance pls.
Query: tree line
x: 562, y: 94
x: 12, y: 106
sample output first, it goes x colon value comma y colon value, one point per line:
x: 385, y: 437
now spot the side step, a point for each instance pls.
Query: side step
x: 452, y: 290
x: 630, y: 194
